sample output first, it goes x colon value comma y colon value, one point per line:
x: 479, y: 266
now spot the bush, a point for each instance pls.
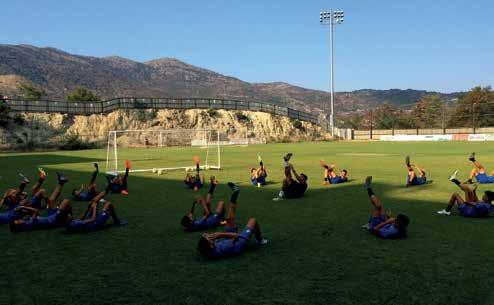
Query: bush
x: 72, y: 141
x: 212, y: 112
x: 19, y: 120
x: 4, y: 113
x: 81, y: 94
x: 241, y: 117
x: 297, y: 124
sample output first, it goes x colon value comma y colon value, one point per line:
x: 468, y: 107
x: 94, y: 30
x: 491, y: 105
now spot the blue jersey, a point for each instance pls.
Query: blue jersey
x: 9, y: 216
x: 41, y: 222
x: 389, y: 231
x: 337, y: 180
x: 481, y: 209
x: 228, y: 247
x: 97, y: 224
x: 210, y: 222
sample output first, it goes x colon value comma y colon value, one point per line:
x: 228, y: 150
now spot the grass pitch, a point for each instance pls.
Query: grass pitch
x: 318, y: 253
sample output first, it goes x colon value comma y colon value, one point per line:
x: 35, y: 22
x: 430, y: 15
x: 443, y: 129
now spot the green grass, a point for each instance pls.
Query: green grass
x: 318, y: 253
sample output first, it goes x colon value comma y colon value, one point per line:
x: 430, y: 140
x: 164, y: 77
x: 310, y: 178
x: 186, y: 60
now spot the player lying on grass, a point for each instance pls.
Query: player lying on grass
x: 330, y: 176
x: 34, y: 220
x: 13, y: 197
x: 226, y: 244
x: 292, y: 188
x: 91, y: 220
x: 208, y: 219
x: 479, y: 172
x: 88, y: 193
x: 39, y: 194
x: 194, y: 182
x: 413, y: 178
x: 117, y: 184
x: 258, y: 175
x: 381, y: 224
x: 471, y: 206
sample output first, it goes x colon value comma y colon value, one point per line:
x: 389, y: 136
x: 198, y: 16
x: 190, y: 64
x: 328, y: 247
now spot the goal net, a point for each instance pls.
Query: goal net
x: 160, y: 150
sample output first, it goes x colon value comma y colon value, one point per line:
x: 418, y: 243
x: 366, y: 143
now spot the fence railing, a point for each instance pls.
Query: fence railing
x: 88, y: 108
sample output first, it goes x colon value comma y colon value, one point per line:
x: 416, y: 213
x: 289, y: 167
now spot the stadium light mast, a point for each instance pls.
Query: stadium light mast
x: 331, y: 18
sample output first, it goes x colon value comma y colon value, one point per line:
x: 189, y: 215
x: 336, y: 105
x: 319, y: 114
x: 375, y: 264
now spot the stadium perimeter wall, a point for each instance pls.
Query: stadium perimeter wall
x: 446, y: 134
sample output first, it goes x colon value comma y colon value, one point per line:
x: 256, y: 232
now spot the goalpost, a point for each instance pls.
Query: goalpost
x: 161, y: 150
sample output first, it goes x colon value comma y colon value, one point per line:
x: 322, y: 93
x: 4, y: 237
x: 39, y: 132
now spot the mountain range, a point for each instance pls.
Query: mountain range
x: 58, y: 72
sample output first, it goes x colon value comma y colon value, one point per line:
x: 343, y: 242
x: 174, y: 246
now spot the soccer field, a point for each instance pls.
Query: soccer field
x: 318, y: 253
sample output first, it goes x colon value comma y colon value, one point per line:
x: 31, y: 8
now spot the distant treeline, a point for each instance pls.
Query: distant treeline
x: 474, y: 108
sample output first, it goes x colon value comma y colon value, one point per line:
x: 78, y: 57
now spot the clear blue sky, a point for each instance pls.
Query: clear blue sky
x: 442, y: 45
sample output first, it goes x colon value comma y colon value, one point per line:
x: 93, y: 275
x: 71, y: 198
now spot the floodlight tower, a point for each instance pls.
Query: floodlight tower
x: 331, y: 18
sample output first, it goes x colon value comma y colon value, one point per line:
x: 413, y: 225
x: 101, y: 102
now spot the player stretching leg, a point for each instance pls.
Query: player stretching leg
x: 39, y: 194
x: 91, y: 220
x: 88, y: 193
x: 479, y: 172
x: 258, y: 175
x: 226, y: 244
x: 208, y: 220
x: 381, y: 224
x: 413, y: 178
x: 330, y: 176
x: 292, y: 188
x: 195, y: 182
x: 118, y: 184
x: 471, y: 206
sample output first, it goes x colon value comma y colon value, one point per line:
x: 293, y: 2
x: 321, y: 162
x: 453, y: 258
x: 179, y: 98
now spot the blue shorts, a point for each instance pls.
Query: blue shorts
x: 85, y: 196
x: 213, y: 221
x: 467, y: 210
x: 35, y: 202
x: 416, y: 180
x: 484, y: 178
x: 374, y: 221
x: 337, y: 180
x: 242, y: 241
x: 260, y: 180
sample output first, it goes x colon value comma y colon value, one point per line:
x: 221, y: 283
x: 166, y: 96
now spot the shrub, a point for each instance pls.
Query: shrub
x: 212, y: 112
x: 241, y: 117
x: 19, y: 119
x: 297, y: 124
x: 72, y: 141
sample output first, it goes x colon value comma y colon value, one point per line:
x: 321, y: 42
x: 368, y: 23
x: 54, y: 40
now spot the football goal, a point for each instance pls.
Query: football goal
x: 161, y: 150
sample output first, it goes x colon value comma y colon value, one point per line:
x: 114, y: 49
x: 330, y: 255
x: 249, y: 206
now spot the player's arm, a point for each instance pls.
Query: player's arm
x: 378, y: 228
x: 295, y: 174
x: 218, y: 235
x: 94, y: 208
x: 191, y: 211
x: 83, y: 216
x: 31, y: 211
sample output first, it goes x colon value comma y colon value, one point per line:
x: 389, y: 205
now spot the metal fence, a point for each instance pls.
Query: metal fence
x: 88, y: 108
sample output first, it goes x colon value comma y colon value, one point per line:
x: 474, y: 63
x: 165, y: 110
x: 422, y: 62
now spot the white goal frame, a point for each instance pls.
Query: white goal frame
x: 112, y: 149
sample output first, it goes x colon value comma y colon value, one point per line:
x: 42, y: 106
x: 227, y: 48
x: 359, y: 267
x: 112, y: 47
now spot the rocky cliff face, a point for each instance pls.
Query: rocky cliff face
x: 51, y: 130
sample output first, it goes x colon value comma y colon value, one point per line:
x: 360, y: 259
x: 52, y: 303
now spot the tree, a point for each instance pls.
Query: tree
x: 428, y: 112
x: 474, y: 109
x: 30, y: 92
x: 81, y: 94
